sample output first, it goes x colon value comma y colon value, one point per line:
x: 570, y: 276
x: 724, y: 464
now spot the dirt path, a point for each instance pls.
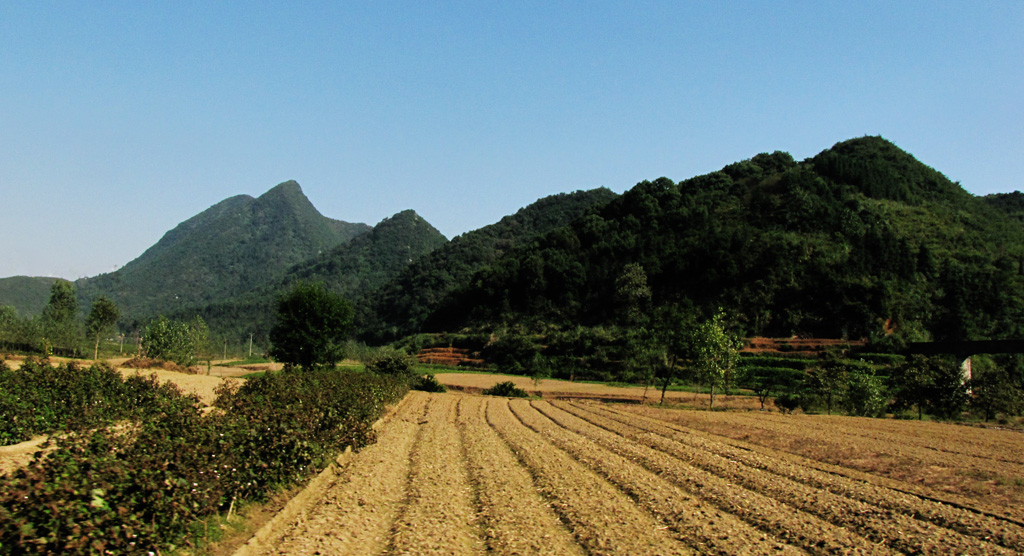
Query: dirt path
x: 550, y: 388
x: 466, y: 475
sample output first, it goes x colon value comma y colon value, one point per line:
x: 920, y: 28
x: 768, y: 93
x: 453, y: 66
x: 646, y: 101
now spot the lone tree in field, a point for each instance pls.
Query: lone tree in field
x: 101, y: 320
x: 713, y: 351
x: 177, y: 341
x: 311, y: 329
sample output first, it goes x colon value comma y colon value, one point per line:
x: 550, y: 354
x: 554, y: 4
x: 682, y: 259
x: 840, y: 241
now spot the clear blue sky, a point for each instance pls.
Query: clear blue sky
x: 118, y: 120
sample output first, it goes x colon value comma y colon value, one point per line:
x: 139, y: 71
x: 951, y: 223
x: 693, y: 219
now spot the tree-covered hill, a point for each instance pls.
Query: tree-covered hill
x: 368, y: 261
x: 400, y: 306
x: 352, y: 269
x: 1010, y: 203
x: 26, y: 294
x: 861, y: 240
x: 233, y: 247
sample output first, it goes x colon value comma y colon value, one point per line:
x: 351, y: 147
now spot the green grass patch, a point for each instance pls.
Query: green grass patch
x: 247, y: 361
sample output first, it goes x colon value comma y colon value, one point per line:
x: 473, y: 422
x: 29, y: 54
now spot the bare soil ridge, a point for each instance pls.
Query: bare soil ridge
x: 458, y: 474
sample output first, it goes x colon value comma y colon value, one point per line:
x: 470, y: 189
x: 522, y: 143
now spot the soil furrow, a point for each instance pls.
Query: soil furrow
x: 439, y: 514
x: 603, y: 519
x: 942, y: 449
x: 899, y: 531
x: 944, y: 437
x: 357, y: 511
x: 991, y: 490
x: 514, y: 517
x: 793, y: 526
x: 980, y: 526
x: 700, y: 524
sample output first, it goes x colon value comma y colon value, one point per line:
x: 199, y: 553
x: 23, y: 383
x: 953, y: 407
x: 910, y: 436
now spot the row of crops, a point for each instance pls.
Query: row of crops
x: 136, y: 465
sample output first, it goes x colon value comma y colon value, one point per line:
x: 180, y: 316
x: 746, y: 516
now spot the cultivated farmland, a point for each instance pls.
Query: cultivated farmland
x: 458, y: 474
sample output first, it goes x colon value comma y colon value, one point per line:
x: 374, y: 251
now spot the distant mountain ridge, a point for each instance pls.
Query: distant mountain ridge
x: 230, y: 248
x: 27, y: 294
x: 353, y: 269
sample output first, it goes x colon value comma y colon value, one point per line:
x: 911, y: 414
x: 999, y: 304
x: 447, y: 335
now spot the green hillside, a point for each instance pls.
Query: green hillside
x: 28, y: 295
x: 352, y: 269
x: 861, y: 240
x: 400, y: 306
x: 233, y: 247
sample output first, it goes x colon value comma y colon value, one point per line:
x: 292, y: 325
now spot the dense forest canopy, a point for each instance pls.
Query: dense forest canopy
x: 861, y: 240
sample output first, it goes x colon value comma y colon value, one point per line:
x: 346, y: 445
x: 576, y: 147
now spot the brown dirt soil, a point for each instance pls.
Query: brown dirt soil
x: 201, y: 385
x: 983, y: 466
x: 458, y: 474
x: 549, y: 388
x: 19, y: 455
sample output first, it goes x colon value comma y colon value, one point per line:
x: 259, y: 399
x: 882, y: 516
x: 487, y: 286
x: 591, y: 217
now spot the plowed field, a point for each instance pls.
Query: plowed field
x: 460, y: 474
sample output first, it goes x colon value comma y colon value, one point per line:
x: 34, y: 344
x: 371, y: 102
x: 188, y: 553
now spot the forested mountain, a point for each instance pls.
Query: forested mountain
x: 401, y: 305
x: 27, y: 294
x: 861, y: 240
x: 370, y: 260
x: 1010, y: 203
x: 233, y: 247
x: 353, y: 269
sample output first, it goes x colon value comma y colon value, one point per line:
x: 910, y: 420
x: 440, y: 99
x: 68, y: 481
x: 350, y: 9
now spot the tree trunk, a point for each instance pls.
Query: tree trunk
x: 711, y: 398
x: 96, y: 351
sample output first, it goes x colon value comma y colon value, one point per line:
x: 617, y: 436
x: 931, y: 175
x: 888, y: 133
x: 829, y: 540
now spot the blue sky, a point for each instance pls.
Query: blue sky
x: 121, y: 119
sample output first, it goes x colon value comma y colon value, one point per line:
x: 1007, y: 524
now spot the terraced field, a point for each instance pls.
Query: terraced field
x: 460, y: 474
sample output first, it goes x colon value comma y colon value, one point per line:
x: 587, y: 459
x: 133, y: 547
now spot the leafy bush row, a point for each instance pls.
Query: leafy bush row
x: 41, y: 398
x: 140, y: 487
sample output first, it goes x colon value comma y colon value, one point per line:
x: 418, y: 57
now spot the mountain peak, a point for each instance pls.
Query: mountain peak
x: 287, y: 191
x: 882, y: 170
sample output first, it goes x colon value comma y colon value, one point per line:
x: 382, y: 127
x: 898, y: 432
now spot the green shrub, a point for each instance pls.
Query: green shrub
x: 507, y: 389
x: 428, y: 383
x: 787, y: 403
x: 176, y: 341
x: 391, y: 362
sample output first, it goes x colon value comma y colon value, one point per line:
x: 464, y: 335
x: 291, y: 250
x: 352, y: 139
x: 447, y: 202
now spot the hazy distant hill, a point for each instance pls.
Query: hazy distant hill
x: 234, y: 246
x: 352, y: 269
x: 859, y: 239
x: 401, y: 305
x: 28, y: 295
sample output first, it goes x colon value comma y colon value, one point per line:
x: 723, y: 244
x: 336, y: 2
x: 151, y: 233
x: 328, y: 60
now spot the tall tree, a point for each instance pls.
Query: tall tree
x: 59, y: 316
x: 829, y: 380
x: 633, y: 293
x: 8, y: 323
x: 714, y: 351
x: 101, y: 320
x: 934, y: 384
x: 312, y: 327
x: 173, y: 340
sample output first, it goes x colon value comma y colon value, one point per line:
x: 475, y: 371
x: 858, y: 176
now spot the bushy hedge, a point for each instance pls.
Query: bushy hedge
x: 140, y: 486
x: 41, y: 398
